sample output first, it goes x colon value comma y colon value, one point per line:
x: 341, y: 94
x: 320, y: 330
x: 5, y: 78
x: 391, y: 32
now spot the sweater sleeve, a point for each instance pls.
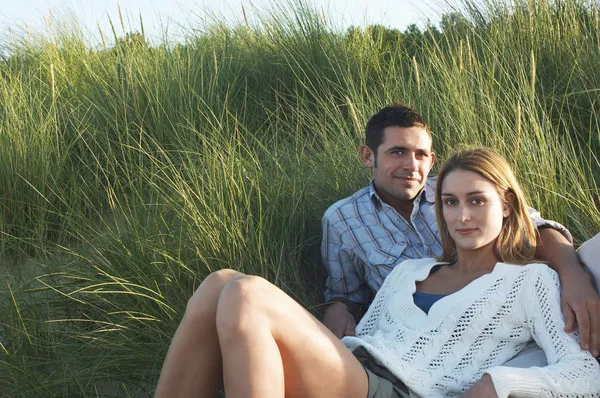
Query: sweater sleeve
x: 571, y: 372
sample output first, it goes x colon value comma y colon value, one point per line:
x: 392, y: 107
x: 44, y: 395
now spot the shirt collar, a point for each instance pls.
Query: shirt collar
x: 428, y: 191
x: 373, y: 193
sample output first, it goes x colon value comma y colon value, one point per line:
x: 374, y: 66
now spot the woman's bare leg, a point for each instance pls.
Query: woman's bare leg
x: 193, y: 367
x: 272, y: 347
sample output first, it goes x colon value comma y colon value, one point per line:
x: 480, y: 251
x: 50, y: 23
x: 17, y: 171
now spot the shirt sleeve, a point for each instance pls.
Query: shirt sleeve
x: 346, y: 274
x: 571, y: 372
x: 539, y: 222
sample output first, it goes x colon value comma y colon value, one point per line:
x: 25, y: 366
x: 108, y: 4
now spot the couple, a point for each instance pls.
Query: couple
x: 367, y: 234
x: 436, y: 327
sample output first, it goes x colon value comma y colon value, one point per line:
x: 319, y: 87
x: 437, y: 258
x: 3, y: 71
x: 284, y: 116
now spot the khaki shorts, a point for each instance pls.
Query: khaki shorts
x: 382, y: 384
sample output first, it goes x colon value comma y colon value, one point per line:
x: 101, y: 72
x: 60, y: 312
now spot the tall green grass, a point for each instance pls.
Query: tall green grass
x: 128, y: 173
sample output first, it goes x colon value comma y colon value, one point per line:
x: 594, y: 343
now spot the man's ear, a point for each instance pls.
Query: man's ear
x: 367, y: 156
x: 508, y: 205
x: 433, y: 157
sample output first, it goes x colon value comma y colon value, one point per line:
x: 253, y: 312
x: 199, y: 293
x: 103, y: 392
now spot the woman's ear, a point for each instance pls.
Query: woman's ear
x: 509, y: 200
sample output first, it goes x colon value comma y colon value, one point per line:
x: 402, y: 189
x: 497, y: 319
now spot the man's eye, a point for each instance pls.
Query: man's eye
x: 396, y: 152
x: 422, y: 154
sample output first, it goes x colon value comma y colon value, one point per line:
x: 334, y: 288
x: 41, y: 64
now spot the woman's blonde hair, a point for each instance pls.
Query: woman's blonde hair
x: 516, y: 242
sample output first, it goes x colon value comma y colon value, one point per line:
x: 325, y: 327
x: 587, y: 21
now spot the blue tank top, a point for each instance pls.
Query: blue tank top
x: 425, y: 300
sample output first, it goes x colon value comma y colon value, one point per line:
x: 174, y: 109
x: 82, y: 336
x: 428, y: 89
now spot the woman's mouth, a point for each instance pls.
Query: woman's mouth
x: 466, y: 231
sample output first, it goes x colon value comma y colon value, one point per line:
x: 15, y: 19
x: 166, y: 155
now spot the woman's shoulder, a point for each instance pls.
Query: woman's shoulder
x: 420, y: 262
x: 417, y: 263
x: 408, y: 267
x: 534, y: 271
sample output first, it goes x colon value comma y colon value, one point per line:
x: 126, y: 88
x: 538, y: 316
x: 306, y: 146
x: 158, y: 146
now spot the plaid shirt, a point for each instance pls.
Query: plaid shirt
x: 364, y: 239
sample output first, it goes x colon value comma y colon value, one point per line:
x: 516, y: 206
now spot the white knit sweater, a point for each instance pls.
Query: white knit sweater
x: 476, y: 330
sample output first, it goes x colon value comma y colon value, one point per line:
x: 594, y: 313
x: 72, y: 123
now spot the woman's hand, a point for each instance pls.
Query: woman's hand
x: 484, y: 388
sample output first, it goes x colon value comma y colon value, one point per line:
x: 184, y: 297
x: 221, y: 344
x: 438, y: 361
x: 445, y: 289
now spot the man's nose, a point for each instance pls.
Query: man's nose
x: 411, y: 163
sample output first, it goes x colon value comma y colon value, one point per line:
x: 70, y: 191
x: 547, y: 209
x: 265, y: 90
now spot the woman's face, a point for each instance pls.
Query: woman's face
x: 472, y: 209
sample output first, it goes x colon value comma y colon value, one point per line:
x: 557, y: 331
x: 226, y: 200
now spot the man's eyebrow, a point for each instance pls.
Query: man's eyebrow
x: 397, y: 148
x: 403, y: 148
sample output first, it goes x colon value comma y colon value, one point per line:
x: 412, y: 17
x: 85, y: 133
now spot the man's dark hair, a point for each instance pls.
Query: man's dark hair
x: 397, y: 115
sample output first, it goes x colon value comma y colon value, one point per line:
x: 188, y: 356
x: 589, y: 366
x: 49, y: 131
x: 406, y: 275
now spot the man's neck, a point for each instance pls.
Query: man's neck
x: 403, y: 207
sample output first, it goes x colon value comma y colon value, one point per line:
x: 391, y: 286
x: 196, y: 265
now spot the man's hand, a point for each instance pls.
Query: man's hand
x: 339, y: 320
x: 484, y: 388
x: 581, y: 303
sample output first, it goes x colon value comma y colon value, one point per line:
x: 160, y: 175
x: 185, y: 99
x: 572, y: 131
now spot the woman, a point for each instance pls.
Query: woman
x: 436, y: 327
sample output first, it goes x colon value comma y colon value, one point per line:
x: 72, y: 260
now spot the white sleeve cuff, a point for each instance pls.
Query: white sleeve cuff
x: 515, y: 381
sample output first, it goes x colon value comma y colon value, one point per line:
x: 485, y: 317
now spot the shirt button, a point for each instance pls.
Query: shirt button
x: 419, y: 244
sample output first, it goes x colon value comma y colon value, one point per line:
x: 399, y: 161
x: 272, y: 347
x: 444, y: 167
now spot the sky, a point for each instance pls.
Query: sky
x: 176, y: 18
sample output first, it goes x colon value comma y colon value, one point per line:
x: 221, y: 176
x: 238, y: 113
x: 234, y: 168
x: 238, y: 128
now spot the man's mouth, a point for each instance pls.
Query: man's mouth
x: 409, y: 180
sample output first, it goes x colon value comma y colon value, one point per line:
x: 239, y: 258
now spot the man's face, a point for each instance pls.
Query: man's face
x: 401, y: 164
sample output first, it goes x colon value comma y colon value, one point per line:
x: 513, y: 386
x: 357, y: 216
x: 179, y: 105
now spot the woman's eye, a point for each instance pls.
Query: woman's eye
x: 450, y: 202
x: 477, y: 201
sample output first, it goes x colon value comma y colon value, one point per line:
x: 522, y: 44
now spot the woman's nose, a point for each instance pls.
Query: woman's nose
x: 463, y: 213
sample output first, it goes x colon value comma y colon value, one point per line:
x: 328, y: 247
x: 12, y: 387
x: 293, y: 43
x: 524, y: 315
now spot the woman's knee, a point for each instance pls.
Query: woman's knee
x: 242, y: 303
x: 204, y: 300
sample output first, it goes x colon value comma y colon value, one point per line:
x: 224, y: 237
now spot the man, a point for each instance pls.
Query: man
x: 393, y: 219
